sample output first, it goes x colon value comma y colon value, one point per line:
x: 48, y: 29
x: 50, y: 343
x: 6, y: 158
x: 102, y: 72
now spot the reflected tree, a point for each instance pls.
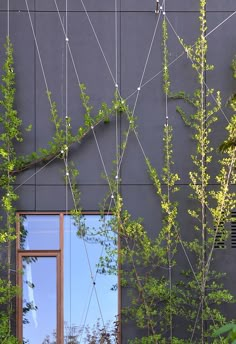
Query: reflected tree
x: 71, y: 334
x: 102, y: 334
x: 96, y: 334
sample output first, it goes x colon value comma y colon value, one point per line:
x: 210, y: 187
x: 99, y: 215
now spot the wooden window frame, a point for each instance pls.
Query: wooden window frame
x: 39, y: 254
x: 59, y: 255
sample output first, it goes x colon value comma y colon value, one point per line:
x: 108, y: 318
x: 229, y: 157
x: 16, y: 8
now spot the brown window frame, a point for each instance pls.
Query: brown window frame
x: 59, y: 254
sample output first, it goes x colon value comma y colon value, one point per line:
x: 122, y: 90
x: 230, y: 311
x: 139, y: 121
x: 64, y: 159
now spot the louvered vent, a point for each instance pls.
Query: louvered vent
x: 220, y: 241
x: 233, y: 229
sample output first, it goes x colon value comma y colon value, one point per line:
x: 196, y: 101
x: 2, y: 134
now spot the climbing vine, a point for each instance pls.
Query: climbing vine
x: 212, y: 210
x: 199, y: 292
x: 10, y: 134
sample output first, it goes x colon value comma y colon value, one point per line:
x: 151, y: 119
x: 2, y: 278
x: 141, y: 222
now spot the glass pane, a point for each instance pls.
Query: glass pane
x: 39, y: 300
x: 89, y: 301
x: 40, y: 232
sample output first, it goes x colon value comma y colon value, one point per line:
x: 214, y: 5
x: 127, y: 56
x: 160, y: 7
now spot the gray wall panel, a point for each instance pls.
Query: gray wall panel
x: 128, y: 328
x: 16, y: 5
x: 135, y: 48
x: 53, y: 198
x: 182, y: 78
x: 141, y: 202
x: 22, y: 40
x: 51, y: 46
x: 3, y: 27
x: 54, y: 173
x: 92, y: 197
x: 89, y: 63
x: 75, y: 5
x: 150, y: 105
x: 138, y: 5
x: 50, y: 198
x: 227, y: 5
x: 87, y: 156
x: 26, y: 177
x: 150, y: 122
x: 182, y: 5
x: 26, y: 201
x: 150, y: 5
x: 223, y: 262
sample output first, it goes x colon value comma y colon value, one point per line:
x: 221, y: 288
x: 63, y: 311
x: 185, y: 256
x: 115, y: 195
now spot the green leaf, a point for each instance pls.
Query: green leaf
x: 224, y: 329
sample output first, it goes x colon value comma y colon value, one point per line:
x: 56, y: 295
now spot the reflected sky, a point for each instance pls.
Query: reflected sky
x: 39, y: 294
x: 88, y: 294
x: 40, y: 232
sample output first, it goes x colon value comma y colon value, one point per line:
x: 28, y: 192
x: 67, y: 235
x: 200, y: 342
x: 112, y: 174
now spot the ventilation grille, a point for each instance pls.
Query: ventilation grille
x: 233, y: 229
x: 220, y: 241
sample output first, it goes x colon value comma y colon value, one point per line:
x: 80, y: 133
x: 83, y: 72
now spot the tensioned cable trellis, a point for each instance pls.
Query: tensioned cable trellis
x: 86, y: 310
x: 116, y: 76
x: 141, y: 85
x: 169, y: 239
x: 168, y: 196
x: 99, y: 150
x: 115, y: 81
x: 8, y: 18
x: 212, y: 95
x: 100, y: 153
x: 210, y: 31
x: 207, y: 34
x: 116, y: 84
x: 203, y: 300
x: 138, y: 91
x: 93, y: 278
x: 65, y: 152
x: 66, y: 160
x: 75, y: 68
x: 180, y: 55
x: 9, y: 249
x: 153, y: 331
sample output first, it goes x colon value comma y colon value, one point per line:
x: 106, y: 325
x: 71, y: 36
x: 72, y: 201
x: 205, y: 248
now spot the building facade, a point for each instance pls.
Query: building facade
x: 115, y: 48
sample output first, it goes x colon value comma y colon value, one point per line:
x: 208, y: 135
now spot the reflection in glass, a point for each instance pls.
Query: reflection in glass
x: 39, y: 232
x: 90, y: 293
x: 39, y: 299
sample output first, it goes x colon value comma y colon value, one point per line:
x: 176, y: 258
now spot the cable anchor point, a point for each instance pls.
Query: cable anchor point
x: 157, y: 10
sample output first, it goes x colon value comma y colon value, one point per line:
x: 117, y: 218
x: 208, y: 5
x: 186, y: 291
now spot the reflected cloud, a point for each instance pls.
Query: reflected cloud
x: 30, y: 287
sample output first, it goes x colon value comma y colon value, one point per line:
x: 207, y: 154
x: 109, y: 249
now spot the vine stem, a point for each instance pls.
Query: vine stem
x: 50, y: 156
x: 168, y: 171
x: 169, y: 237
x: 8, y: 218
x: 203, y: 152
x: 140, y: 287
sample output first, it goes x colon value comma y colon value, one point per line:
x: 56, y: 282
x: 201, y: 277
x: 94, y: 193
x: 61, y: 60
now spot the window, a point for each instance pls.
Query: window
x: 68, y: 282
